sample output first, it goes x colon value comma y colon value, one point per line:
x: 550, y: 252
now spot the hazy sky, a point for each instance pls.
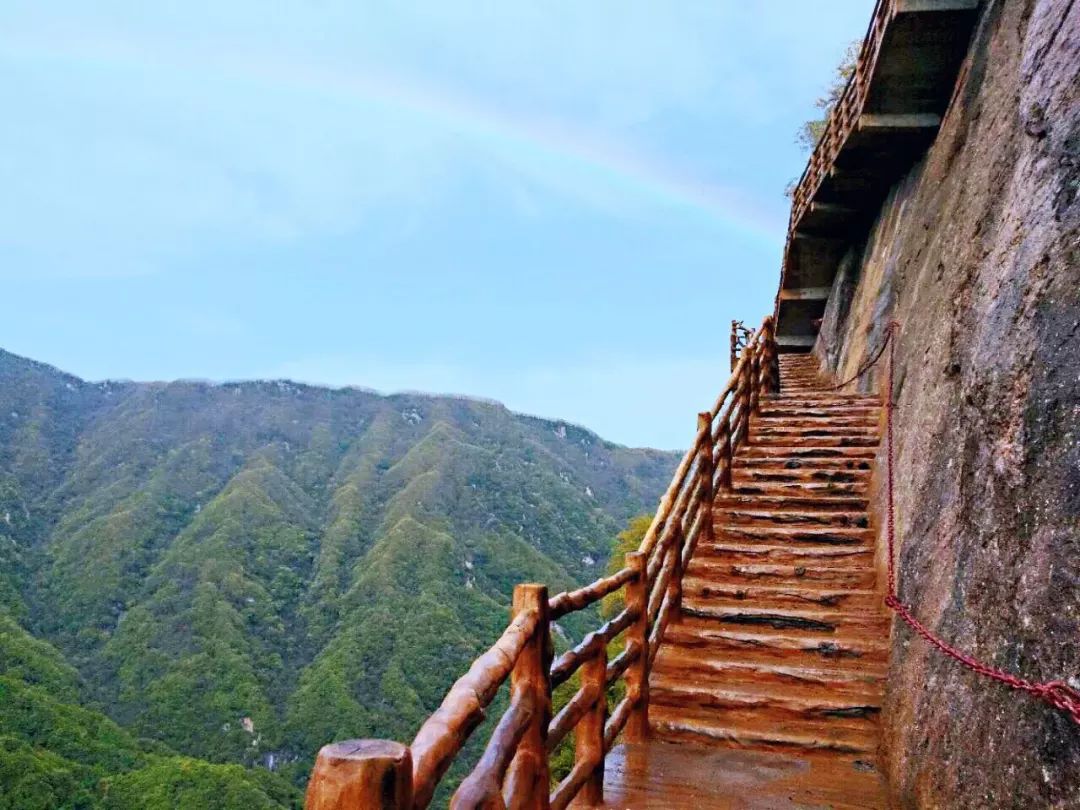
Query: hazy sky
x: 559, y: 205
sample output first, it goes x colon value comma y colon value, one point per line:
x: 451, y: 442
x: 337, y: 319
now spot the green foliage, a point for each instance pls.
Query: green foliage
x: 629, y: 539
x: 242, y: 573
x: 809, y: 132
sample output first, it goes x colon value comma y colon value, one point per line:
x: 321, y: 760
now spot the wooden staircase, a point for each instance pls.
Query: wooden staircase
x: 754, y: 638
x: 782, y: 640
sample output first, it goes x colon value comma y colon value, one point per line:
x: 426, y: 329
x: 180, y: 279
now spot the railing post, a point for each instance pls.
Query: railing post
x: 771, y: 360
x: 746, y: 383
x: 755, y: 379
x: 707, y: 473
x: 527, y: 781
x: 637, y: 674
x: 734, y: 344
x: 678, y: 540
x: 374, y: 774
x: 589, y: 735
x: 724, y: 439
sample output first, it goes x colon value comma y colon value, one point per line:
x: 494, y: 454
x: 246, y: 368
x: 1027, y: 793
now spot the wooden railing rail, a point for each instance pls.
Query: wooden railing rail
x: 513, y: 771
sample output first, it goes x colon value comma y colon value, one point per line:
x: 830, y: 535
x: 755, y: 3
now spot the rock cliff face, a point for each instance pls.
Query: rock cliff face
x: 976, y: 253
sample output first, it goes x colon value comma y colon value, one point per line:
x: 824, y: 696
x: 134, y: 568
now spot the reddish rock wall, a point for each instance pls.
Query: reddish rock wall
x: 977, y: 253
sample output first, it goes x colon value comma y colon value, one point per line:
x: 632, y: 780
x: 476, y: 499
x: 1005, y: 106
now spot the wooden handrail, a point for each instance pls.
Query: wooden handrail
x: 513, y: 770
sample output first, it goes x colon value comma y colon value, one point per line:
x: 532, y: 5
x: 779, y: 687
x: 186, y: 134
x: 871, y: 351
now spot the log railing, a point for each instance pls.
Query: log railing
x: 513, y: 771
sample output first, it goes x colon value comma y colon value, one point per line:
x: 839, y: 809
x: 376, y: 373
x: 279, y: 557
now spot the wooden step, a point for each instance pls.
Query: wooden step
x: 770, y: 597
x: 864, y: 683
x: 772, y: 533
x: 788, y: 620
x: 777, y: 409
x: 704, y: 727
x: 797, y: 451
x: 761, y: 429
x: 804, y: 489
x: 744, y: 704
x: 818, y: 499
x: 797, y: 418
x: 816, y: 571
x: 849, y: 556
x: 765, y: 644
x: 813, y: 440
x: 777, y: 463
x: 749, y: 516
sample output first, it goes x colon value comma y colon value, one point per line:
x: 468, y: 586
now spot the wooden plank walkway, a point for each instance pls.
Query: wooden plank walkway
x: 658, y: 775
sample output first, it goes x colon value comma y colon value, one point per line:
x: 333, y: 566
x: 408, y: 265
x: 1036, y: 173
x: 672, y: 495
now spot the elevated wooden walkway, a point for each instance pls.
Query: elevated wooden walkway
x: 753, y: 638
x: 766, y: 692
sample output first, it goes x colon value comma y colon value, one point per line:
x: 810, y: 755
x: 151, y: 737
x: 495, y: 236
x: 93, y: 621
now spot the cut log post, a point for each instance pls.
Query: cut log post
x: 747, y: 383
x: 374, y: 774
x: 674, y: 587
x: 724, y: 440
x: 637, y: 675
x: 589, y: 735
x: 707, y: 473
x: 755, y: 383
x: 527, y: 782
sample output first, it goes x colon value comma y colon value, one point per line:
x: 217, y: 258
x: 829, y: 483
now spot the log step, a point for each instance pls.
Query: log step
x: 763, y: 644
x: 817, y: 573
x: 769, y: 597
x: 696, y: 667
x: 745, y: 704
x: 680, y: 725
x: 823, y: 499
x: 789, y: 620
x: 743, y: 516
x: 772, y: 533
x: 850, y: 556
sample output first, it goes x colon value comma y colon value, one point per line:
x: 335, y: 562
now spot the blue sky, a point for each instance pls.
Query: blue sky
x: 559, y: 205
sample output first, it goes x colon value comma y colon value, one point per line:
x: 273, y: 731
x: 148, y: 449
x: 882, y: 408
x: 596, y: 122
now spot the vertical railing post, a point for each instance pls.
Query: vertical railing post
x: 637, y: 674
x: 746, y: 382
x: 589, y: 734
x: 724, y: 440
x: 678, y: 539
x: 361, y: 773
x: 734, y: 344
x: 527, y: 781
x: 707, y: 473
x: 771, y: 361
x: 755, y: 378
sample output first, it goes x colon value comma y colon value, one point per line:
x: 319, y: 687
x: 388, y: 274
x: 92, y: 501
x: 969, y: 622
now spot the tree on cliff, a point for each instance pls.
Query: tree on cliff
x: 809, y: 133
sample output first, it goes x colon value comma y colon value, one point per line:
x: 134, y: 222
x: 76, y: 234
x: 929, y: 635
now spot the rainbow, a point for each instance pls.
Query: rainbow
x: 548, y: 139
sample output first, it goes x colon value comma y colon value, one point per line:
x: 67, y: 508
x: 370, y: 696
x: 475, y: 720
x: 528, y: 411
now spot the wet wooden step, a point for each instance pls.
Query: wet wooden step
x: 765, y: 517
x: 750, y: 704
x: 797, y: 489
x: 861, y: 576
x: 765, y: 644
x: 769, y: 597
x: 680, y: 724
x: 797, y: 451
x: 774, y: 534
x: 780, y: 463
x: 856, y: 681
x: 821, y: 498
x: 662, y: 776
x: 789, y: 620
x: 812, y: 439
x: 777, y: 409
x: 799, y: 419
x: 848, y: 556
x: 766, y: 430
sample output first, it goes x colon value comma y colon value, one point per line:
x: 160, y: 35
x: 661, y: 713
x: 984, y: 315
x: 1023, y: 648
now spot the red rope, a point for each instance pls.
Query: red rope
x: 1057, y: 693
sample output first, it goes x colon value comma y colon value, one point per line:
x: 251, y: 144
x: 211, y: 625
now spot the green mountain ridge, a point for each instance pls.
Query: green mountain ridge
x: 238, y: 573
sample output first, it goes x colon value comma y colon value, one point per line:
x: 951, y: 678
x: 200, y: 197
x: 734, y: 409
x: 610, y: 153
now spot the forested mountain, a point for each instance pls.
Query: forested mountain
x: 242, y: 572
